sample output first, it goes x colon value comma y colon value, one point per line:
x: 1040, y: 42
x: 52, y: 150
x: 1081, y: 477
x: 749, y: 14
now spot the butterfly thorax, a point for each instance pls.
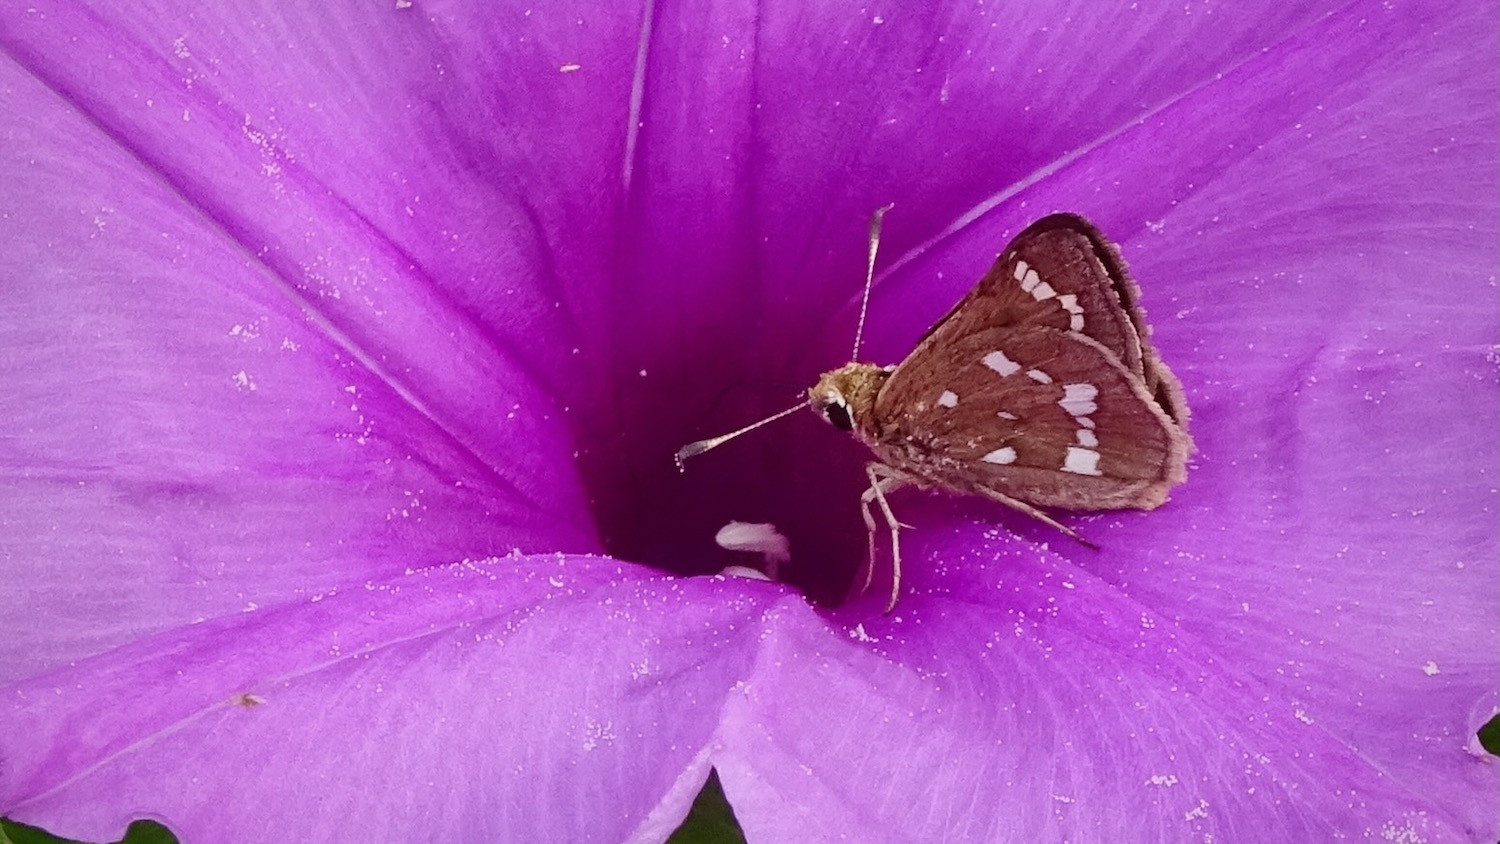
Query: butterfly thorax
x: 846, y: 397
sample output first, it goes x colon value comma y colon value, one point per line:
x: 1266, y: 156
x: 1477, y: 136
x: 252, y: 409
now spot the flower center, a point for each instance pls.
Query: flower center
x: 798, y: 474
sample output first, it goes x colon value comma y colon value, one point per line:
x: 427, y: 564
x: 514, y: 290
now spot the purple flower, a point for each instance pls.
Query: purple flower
x: 343, y: 353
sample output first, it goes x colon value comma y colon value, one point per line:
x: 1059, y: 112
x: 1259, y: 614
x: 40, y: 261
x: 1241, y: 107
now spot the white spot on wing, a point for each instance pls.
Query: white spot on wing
x: 1082, y: 461
x: 1087, y: 439
x: 1070, y: 304
x: 948, y: 399
x: 1011, y: 416
x: 1078, y: 399
x: 1000, y: 363
x: 1043, y: 292
x: 1001, y: 455
x: 1039, y: 376
x: 1031, y: 281
x: 1020, y: 272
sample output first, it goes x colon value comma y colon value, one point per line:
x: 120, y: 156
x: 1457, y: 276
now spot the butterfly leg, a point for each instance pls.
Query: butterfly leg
x: 1034, y: 513
x: 884, y: 479
x: 885, y: 484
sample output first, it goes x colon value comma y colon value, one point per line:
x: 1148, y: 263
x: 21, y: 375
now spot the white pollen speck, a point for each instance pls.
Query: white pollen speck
x: 1162, y: 779
x: 948, y: 399
x: 1039, y: 376
x: 1081, y: 461
x: 1430, y: 669
x: 1004, y: 415
x: 1043, y: 292
x: 1001, y: 455
x: 1030, y: 281
x: 1078, y: 399
x: 1000, y: 363
x: 1087, y: 439
x: 1020, y: 272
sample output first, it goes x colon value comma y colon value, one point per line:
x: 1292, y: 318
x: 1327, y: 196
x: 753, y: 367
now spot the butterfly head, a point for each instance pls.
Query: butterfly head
x: 845, y: 396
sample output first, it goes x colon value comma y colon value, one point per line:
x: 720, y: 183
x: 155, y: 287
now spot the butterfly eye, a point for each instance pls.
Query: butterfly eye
x: 838, y: 413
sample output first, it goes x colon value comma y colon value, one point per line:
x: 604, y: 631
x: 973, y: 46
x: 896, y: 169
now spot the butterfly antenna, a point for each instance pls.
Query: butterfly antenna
x: 697, y: 448
x: 864, y: 303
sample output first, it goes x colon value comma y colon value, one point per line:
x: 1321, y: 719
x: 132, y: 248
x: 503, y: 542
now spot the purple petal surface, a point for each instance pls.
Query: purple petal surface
x: 438, y: 700
x: 233, y: 375
x: 305, y: 308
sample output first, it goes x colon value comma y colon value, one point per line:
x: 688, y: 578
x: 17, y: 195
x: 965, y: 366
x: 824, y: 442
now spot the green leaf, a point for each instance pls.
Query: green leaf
x: 710, y: 821
x: 139, y: 832
x: 1489, y: 735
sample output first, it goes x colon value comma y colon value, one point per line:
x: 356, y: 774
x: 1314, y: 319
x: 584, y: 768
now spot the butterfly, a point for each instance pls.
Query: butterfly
x: 1040, y: 388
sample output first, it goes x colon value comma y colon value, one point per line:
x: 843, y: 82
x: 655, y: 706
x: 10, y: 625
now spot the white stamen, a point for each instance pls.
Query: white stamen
x: 1043, y: 292
x: 1086, y: 438
x: 948, y: 399
x: 1001, y: 456
x: 1004, y: 415
x: 1039, y: 376
x: 1078, y: 399
x: 759, y: 538
x: 744, y: 571
x: 1001, y: 364
x: 1082, y: 461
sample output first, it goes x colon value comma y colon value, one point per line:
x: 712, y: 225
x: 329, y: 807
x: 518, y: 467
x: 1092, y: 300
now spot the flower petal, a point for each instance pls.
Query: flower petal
x: 1143, y: 696
x: 243, y: 369
x: 1047, y: 705
x: 1321, y: 272
x: 528, y: 698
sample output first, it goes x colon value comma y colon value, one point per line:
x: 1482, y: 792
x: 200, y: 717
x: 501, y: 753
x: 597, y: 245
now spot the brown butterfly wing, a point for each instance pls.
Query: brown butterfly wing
x: 1044, y: 415
x: 1062, y: 273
